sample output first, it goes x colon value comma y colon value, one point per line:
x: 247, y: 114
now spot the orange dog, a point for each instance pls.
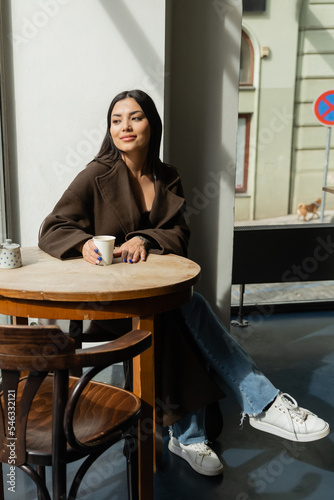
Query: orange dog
x: 312, y: 208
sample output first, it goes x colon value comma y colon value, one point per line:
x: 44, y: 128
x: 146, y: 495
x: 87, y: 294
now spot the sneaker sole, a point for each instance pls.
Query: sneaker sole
x: 302, y: 438
x: 182, y: 454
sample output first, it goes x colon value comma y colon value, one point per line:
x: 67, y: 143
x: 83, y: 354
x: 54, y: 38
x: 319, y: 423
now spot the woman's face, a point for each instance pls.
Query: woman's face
x: 129, y: 129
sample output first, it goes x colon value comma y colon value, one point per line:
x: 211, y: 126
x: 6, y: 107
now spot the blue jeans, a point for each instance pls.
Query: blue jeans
x: 230, y: 362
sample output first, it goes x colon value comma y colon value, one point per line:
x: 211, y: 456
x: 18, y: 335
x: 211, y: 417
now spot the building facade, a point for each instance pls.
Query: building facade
x: 287, y: 61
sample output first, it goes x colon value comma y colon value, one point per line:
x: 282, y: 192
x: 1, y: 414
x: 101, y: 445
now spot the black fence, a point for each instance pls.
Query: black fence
x: 254, y: 5
x: 278, y: 254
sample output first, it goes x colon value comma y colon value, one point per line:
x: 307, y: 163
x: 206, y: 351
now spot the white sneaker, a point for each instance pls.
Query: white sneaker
x: 287, y: 420
x: 199, y: 456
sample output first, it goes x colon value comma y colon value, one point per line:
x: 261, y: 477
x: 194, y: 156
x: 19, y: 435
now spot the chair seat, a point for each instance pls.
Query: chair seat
x: 48, y: 418
x: 102, y: 409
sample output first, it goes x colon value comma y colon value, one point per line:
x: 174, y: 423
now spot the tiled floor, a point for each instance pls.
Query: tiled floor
x: 296, y: 351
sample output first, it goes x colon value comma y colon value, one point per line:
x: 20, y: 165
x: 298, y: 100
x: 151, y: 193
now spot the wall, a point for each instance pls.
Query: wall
x: 66, y: 59
x: 315, y: 76
x: 64, y: 62
x: 202, y: 89
x: 272, y: 123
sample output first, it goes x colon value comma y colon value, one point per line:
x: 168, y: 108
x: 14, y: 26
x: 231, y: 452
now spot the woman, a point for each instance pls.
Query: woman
x: 129, y: 193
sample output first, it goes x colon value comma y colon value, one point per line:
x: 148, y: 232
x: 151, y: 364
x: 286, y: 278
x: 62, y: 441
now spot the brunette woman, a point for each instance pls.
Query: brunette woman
x: 127, y: 192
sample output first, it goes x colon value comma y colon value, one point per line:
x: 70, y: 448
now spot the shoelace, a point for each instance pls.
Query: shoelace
x: 202, y: 449
x: 290, y: 404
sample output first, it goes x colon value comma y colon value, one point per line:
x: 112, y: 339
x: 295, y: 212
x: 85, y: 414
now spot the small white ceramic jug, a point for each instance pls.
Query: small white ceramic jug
x: 10, y: 255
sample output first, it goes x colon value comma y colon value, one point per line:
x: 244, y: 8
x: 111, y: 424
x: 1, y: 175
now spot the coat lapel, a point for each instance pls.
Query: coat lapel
x: 115, y: 190
x: 166, y: 204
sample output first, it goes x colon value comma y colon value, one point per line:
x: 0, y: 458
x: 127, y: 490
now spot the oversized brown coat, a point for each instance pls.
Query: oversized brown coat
x: 100, y: 201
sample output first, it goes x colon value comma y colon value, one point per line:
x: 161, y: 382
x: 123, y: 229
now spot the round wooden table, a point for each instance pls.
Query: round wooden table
x: 46, y: 287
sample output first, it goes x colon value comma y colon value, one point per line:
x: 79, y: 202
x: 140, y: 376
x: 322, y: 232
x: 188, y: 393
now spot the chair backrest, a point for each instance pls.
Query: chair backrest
x: 27, y: 355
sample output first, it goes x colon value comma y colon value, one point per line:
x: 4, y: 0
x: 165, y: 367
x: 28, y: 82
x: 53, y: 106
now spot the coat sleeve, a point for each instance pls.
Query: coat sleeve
x: 80, y: 213
x: 171, y: 238
x: 69, y: 224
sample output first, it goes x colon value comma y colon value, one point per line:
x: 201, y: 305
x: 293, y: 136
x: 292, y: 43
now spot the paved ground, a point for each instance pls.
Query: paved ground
x: 288, y: 219
x: 284, y: 292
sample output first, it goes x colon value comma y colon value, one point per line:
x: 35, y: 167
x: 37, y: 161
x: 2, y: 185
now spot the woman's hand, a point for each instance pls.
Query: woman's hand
x: 90, y: 253
x: 132, y: 251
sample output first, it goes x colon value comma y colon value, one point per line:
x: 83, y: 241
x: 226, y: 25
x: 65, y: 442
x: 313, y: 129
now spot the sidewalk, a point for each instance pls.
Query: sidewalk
x: 288, y: 220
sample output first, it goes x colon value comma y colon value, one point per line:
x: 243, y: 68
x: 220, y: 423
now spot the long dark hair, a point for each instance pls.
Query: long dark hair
x: 146, y: 103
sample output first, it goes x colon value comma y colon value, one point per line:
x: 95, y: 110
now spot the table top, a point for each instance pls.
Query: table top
x: 43, y: 277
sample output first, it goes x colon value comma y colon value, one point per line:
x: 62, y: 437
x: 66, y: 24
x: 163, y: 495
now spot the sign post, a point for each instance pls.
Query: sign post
x: 323, y: 109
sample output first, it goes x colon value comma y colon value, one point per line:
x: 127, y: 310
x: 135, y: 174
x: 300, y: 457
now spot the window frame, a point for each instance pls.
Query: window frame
x: 5, y: 220
x: 2, y: 194
x: 244, y: 186
x: 249, y: 83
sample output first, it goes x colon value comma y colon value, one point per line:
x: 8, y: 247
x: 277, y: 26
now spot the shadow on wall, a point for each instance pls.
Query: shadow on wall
x: 203, y: 70
x: 137, y: 41
x: 204, y: 49
x: 202, y: 84
x: 312, y: 24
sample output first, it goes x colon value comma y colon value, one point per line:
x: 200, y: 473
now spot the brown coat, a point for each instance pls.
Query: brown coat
x: 100, y: 201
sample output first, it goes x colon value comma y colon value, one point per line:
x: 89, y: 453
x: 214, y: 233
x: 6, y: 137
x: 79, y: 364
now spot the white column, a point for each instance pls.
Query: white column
x: 201, y: 130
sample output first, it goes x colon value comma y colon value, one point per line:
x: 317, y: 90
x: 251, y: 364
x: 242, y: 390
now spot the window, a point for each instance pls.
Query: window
x: 246, y: 61
x: 242, y: 153
x: 254, y: 5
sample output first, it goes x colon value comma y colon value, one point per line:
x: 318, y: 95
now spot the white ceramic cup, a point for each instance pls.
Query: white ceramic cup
x: 105, y: 245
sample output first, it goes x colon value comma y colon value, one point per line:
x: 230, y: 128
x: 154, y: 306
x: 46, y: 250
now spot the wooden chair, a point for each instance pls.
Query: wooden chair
x: 98, y: 332
x: 48, y: 418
